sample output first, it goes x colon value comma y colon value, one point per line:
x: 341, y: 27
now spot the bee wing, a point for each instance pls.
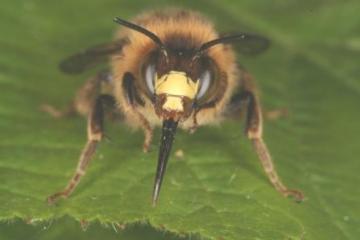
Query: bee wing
x: 250, y: 44
x: 90, y: 57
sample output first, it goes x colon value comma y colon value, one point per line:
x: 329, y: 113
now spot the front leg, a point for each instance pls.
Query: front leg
x: 134, y: 101
x: 95, y: 135
x: 254, y: 131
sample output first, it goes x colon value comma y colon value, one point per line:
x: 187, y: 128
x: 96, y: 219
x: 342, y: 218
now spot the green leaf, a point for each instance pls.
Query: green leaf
x: 218, y: 191
x: 70, y: 229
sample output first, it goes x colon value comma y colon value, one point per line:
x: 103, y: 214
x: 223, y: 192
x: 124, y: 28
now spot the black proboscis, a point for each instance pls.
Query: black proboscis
x: 167, y: 138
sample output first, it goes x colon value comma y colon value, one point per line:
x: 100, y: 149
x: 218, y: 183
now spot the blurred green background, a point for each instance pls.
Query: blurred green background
x: 218, y: 191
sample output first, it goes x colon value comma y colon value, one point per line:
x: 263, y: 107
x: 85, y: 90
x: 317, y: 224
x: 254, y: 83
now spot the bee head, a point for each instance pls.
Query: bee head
x: 178, y: 74
x: 176, y: 82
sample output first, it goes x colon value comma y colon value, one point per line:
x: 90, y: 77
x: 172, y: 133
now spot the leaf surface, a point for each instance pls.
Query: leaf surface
x: 218, y: 191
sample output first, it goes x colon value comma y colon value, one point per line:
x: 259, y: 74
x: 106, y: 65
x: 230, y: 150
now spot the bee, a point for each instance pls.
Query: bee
x: 169, y: 68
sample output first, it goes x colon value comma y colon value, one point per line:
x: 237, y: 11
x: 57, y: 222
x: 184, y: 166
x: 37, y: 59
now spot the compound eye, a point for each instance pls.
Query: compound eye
x: 205, y: 80
x: 150, y: 77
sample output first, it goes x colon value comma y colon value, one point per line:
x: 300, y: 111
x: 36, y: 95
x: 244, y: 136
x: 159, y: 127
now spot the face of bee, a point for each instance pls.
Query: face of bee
x: 176, y: 81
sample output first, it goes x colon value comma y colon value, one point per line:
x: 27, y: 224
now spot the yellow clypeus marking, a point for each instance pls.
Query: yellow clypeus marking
x: 173, y: 103
x: 176, y: 84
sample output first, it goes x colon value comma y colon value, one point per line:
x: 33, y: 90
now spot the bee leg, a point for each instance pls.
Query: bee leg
x: 148, y: 133
x: 95, y: 135
x: 133, y: 99
x: 56, y: 112
x: 195, y: 125
x: 84, y: 97
x: 254, y: 129
x: 276, y: 114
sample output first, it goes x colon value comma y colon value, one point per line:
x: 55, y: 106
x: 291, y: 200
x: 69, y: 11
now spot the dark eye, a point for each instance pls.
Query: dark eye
x: 205, y: 80
x: 150, y: 77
